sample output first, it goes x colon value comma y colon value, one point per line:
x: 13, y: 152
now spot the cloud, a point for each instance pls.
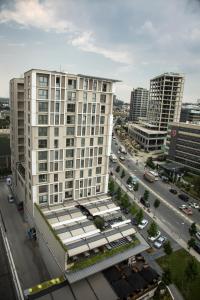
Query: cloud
x: 16, y: 44
x: 86, y: 42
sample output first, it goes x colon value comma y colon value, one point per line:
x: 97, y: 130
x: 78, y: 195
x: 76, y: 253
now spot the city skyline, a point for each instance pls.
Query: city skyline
x: 134, y: 41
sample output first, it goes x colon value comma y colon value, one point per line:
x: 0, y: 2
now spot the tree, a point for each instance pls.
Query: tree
x: 111, y: 186
x: 99, y: 222
x: 136, y: 187
x: 167, y: 276
x: 150, y: 163
x: 191, y: 269
x: 133, y: 210
x: 123, y: 174
x: 153, y: 229
x: 119, y: 193
x: 146, y: 195
x: 125, y: 201
x: 156, y: 205
x: 167, y: 248
x: 139, y: 216
x: 196, y: 183
x: 191, y: 243
x: 129, y: 180
x: 193, y: 229
x: 117, y: 169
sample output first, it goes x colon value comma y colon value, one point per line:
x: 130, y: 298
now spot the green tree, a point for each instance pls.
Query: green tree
x: 123, y: 174
x: 167, y: 276
x: 133, y: 210
x: 129, y: 180
x: 191, y: 269
x: 139, y: 216
x: 136, y: 187
x: 111, y: 186
x: 146, y: 195
x: 99, y: 222
x: 150, y: 163
x: 167, y: 248
x: 156, y: 205
x: 125, y: 201
x: 119, y: 193
x: 118, y: 169
x: 191, y: 243
x: 153, y: 229
x: 193, y: 229
x: 196, y: 183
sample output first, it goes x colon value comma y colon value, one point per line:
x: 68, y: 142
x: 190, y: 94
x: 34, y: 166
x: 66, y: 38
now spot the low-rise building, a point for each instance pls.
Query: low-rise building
x: 190, y: 113
x: 183, y: 145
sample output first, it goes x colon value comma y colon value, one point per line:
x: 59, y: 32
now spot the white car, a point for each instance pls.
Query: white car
x: 183, y: 206
x: 122, y: 158
x: 143, y: 224
x: 10, y: 198
x: 198, y: 235
x: 195, y: 205
x: 129, y: 187
x: 153, y: 238
x: 160, y: 241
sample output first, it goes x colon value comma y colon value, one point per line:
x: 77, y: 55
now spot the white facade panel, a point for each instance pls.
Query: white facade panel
x: 33, y: 99
x: 34, y: 162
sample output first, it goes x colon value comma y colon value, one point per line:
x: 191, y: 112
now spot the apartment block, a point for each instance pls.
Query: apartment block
x: 190, y: 113
x: 68, y: 130
x: 138, y: 104
x: 183, y: 145
x: 164, y: 106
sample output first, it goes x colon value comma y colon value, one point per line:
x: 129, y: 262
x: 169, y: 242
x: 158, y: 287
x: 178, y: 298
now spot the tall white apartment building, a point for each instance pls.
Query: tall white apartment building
x: 164, y: 106
x: 67, y: 137
x: 138, y: 104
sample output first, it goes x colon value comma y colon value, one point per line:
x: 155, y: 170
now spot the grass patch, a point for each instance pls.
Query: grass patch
x: 86, y: 262
x: 46, y: 284
x: 177, y: 262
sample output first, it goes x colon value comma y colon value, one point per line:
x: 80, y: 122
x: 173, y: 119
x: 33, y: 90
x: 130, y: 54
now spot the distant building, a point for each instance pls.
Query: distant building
x: 183, y: 145
x: 166, y: 92
x: 138, y: 104
x: 190, y: 113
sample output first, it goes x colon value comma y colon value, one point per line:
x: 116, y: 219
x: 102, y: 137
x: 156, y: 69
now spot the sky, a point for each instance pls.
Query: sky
x: 129, y: 40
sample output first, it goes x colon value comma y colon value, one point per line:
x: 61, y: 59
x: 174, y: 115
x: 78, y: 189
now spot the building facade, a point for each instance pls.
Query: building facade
x: 190, y: 113
x: 166, y: 92
x: 138, y: 104
x: 183, y: 145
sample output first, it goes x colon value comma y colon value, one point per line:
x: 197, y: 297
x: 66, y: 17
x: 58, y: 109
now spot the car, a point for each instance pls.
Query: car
x: 165, y: 179
x: 173, y: 191
x: 129, y: 187
x: 198, y: 235
x: 187, y: 210
x: 183, y: 197
x: 194, y: 205
x: 183, y: 206
x: 143, y: 224
x: 122, y: 158
x: 153, y: 238
x: 159, y: 242
x: 145, y: 202
x: 118, y: 152
x: 196, y: 247
x: 10, y: 198
x: 134, y: 221
x: 114, y: 138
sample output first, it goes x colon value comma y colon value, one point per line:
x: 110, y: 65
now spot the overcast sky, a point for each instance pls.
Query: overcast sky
x: 130, y: 40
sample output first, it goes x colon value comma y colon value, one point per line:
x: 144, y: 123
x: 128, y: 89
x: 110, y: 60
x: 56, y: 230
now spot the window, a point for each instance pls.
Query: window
x: 95, y: 85
x: 71, y: 96
x: 71, y: 107
x: 69, y: 174
x: 85, y: 86
x: 99, y: 160
x: 93, y: 108
x: 42, y: 94
x: 98, y: 170
x: 57, y: 81
x: 82, y: 152
x: 69, y: 164
x: 102, y: 120
x: 57, y: 107
x: 98, y: 179
x: 42, y: 155
x: 94, y: 97
x: 56, y: 155
x: 43, y: 106
x: 42, y: 178
x: 92, y: 130
x: 70, y: 130
x: 55, y: 177
x: 70, y: 119
x: 69, y: 142
x: 68, y: 194
x: 42, y: 119
x: 100, y: 140
x: 43, y: 199
x: 43, y: 81
x: 43, y: 189
x: 57, y: 118
x: 103, y: 98
x: 89, y: 172
x: 69, y: 184
x: 56, y: 131
x: 81, y: 173
x: 98, y: 189
x: 82, y: 142
x: 93, y: 120
x: 70, y: 153
x: 56, y: 143
x: 101, y: 130
x: 71, y: 84
x: 57, y: 94
x: 100, y: 150
x: 42, y: 167
x: 84, y: 108
x: 42, y: 143
x: 103, y: 109
x: 85, y: 96
x: 42, y: 131
x: 104, y: 87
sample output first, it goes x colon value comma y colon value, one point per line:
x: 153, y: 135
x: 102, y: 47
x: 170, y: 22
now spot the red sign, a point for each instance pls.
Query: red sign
x: 173, y: 133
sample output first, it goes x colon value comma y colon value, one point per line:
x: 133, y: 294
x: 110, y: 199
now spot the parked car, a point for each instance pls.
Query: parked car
x: 195, y: 205
x: 183, y: 197
x: 165, y: 179
x: 129, y: 187
x: 198, y: 235
x: 143, y: 224
x: 153, y: 238
x: 145, y: 202
x: 173, y: 191
x: 159, y: 242
x: 122, y: 158
x: 10, y: 198
x: 187, y: 210
x: 196, y: 247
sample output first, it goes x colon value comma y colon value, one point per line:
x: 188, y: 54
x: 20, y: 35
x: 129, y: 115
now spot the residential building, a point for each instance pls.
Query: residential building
x: 138, y: 104
x: 183, y: 145
x: 166, y: 92
x: 190, y: 113
x: 68, y: 131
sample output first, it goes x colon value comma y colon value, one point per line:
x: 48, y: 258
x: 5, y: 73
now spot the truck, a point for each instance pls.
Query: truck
x: 149, y: 176
x: 113, y: 158
x: 122, y: 149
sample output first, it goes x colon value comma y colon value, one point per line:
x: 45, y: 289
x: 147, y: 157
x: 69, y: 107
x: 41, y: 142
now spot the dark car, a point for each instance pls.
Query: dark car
x: 145, y: 202
x: 173, y: 191
x: 196, y: 247
x: 183, y: 197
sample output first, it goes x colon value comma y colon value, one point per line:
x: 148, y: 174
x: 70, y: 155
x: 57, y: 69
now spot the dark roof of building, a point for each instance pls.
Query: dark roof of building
x: 171, y: 166
x: 122, y: 288
x: 137, y: 282
x: 149, y: 275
